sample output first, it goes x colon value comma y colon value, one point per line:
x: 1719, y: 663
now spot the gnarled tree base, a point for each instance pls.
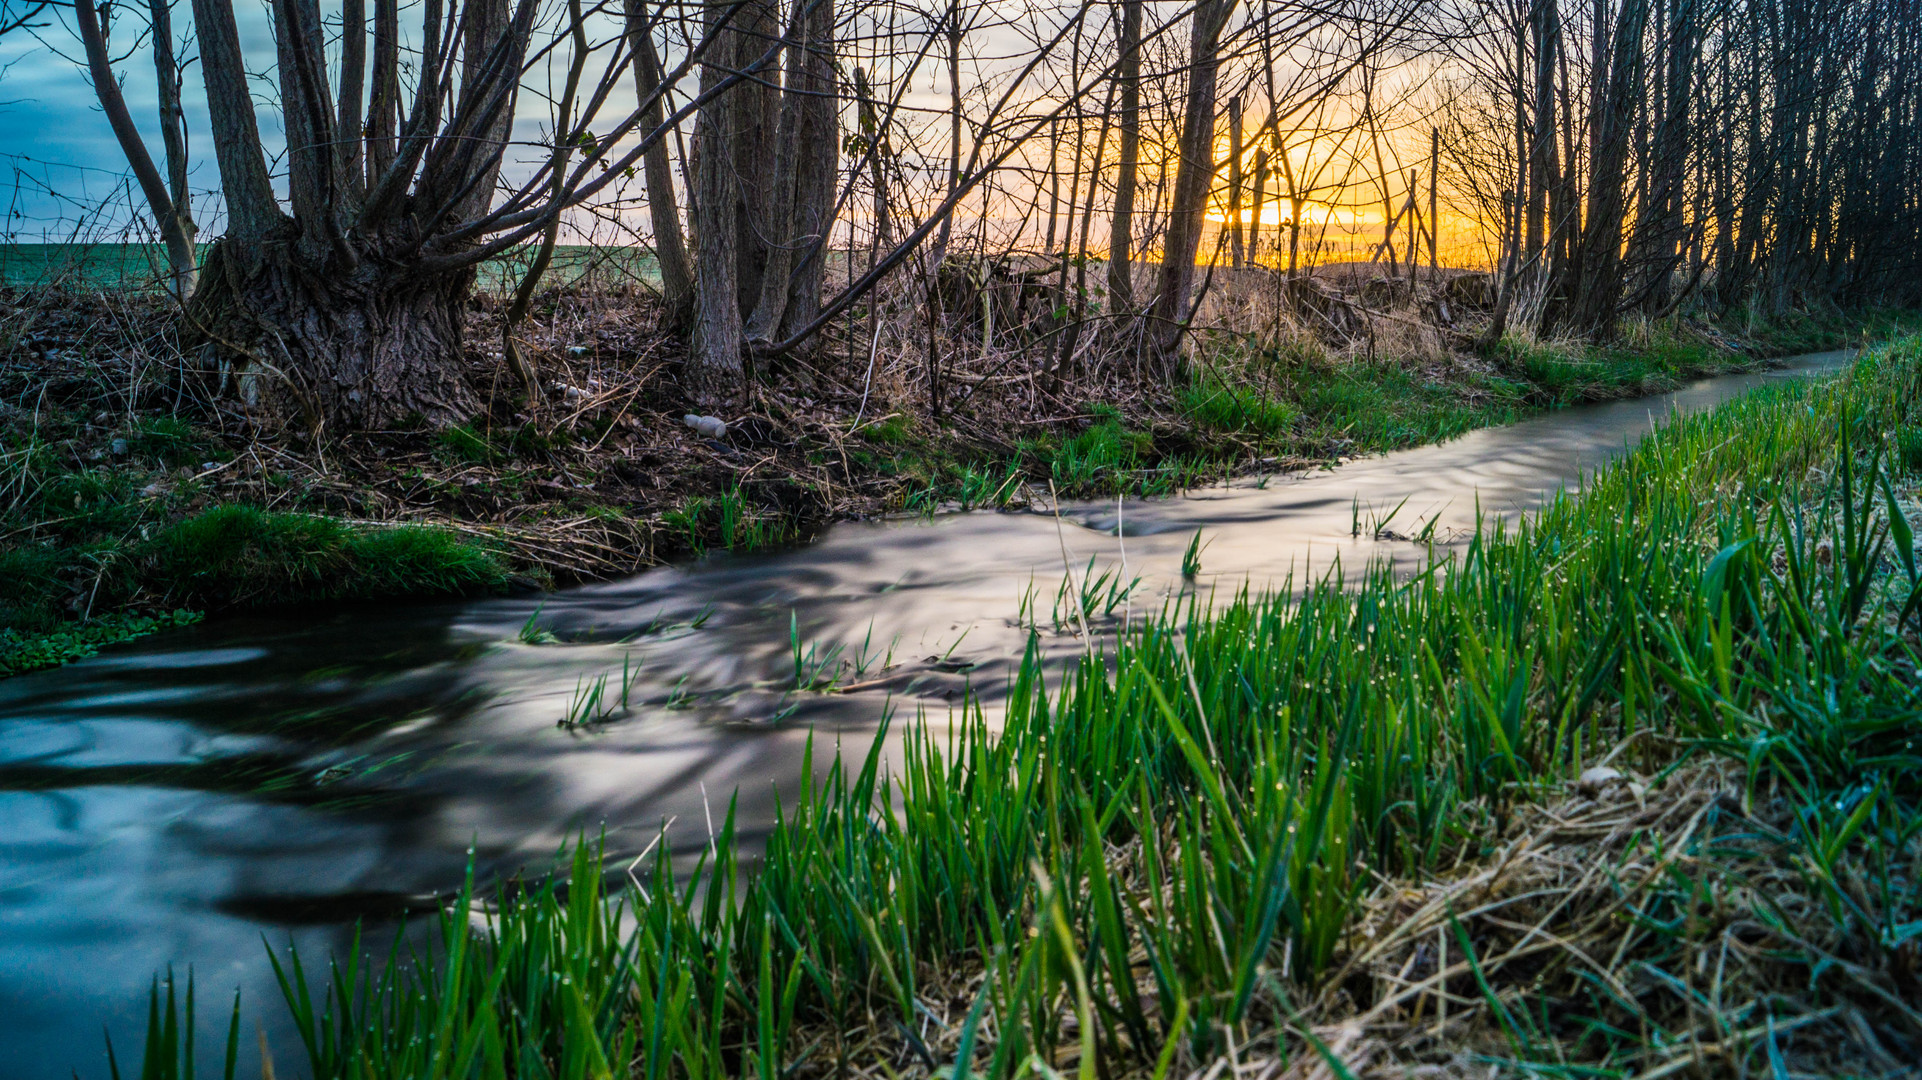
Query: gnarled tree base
x: 377, y: 345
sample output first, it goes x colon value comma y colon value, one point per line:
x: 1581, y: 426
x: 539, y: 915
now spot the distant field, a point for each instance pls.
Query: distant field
x: 117, y: 266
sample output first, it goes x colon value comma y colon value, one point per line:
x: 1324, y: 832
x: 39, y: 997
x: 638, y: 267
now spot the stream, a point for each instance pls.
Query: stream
x: 286, y: 776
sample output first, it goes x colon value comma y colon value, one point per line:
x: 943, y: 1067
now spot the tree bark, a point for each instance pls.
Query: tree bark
x: 375, y: 348
x: 816, y: 165
x: 753, y: 124
x: 714, y: 362
x: 657, y: 174
x: 1593, y: 307
x: 1127, y: 161
x: 1235, y: 248
x: 1194, y: 175
x: 173, y: 220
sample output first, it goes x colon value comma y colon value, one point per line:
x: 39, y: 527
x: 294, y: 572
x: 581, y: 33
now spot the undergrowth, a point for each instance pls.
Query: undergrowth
x: 96, y: 552
x: 1628, y: 788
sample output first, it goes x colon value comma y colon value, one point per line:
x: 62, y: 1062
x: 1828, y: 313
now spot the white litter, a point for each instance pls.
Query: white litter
x: 711, y: 426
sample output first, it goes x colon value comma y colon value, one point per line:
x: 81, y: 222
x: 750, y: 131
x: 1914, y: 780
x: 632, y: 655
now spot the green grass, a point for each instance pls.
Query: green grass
x: 1908, y: 449
x: 120, y: 542
x: 729, y: 522
x: 1161, y: 859
x: 1226, y: 404
x: 230, y: 556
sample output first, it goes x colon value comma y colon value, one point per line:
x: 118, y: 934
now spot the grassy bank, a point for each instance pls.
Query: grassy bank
x: 127, y: 506
x: 111, y: 532
x: 1630, y: 789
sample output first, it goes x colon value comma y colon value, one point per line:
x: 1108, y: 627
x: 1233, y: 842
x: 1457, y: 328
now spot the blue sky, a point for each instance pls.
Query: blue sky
x: 60, y: 158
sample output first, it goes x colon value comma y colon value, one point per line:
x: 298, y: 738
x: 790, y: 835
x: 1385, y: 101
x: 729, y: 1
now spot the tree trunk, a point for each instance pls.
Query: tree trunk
x: 1600, y: 265
x: 1121, y: 230
x: 378, y: 347
x: 1235, y: 249
x: 663, y: 209
x: 1259, y: 196
x: 1194, y: 175
x: 714, y: 362
x: 170, y: 212
x: 801, y: 189
x: 816, y: 165
x: 754, y: 110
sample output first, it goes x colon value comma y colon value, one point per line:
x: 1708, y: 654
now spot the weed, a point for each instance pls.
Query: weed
x: 593, y: 701
x: 29, y: 652
x: 532, y: 633
x: 894, y: 429
x: 817, y: 668
x: 1090, y: 593
x: 1104, y: 449
x: 238, y: 555
x: 1191, y: 558
x: 1908, y: 448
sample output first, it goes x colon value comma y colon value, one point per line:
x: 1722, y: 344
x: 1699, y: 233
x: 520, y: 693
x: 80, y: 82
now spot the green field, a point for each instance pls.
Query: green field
x: 142, y: 266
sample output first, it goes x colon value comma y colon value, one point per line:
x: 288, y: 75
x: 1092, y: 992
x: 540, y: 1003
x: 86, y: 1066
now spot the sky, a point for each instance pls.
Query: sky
x: 65, y: 178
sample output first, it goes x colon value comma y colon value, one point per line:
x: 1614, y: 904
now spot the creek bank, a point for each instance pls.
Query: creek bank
x: 131, y: 504
x: 1630, y: 789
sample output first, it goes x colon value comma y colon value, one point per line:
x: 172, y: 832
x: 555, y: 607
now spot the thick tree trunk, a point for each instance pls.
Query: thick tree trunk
x: 714, y: 362
x: 376, y: 347
x: 815, y: 166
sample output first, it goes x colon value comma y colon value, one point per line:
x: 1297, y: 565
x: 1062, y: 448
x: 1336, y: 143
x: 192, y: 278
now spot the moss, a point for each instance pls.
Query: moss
x: 483, y: 446
x: 171, y: 443
x: 895, y: 429
x: 240, y: 555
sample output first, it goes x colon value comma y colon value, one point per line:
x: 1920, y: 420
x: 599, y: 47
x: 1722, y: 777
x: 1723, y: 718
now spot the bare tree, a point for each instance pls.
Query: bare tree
x: 168, y: 199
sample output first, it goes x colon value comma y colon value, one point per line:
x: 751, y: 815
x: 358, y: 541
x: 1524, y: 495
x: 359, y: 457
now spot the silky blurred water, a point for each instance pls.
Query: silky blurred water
x: 285, y: 776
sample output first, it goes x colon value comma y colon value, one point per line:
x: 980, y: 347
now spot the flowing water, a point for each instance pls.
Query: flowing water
x: 286, y: 776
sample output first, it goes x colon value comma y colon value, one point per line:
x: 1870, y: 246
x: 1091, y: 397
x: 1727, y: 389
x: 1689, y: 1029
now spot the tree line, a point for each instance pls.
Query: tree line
x: 782, y: 159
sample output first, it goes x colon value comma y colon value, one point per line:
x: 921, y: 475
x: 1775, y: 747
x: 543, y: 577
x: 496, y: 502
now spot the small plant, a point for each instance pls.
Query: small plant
x: 816, y: 668
x: 1092, y: 592
x: 1191, y: 558
x: 1379, y: 526
x: 463, y: 443
x: 1104, y: 449
x: 864, y: 660
x: 988, y: 489
x: 1216, y: 402
x: 594, y: 701
x: 893, y: 429
x: 1908, y: 448
x: 532, y: 633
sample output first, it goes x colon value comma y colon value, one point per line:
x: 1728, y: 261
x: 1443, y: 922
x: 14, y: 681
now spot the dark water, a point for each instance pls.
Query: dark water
x: 175, y: 800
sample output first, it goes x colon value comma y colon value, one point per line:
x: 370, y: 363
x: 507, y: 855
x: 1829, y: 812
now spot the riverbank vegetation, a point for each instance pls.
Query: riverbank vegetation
x: 1125, y: 249
x: 126, y: 506
x: 1629, y: 787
